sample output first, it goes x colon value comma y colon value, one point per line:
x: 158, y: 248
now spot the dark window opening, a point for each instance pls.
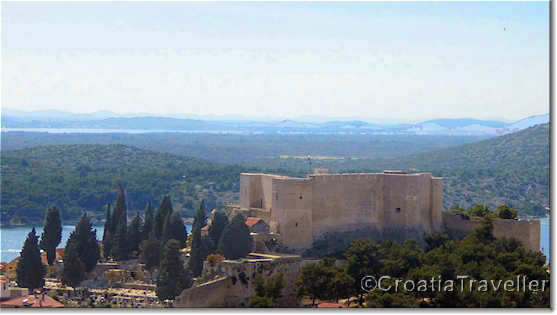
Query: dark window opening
x: 300, y: 197
x: 296, y: 224
x: 397, y: 209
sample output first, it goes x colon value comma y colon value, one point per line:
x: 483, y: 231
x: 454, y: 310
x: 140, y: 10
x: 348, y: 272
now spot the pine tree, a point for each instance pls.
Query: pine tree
x: 198, y: 248
x: 30, y: 270
x: 149, y: 221
x: 52, y: 234
x: 120, y: 248
x: 162, y: 213
x: 74, y: 269
x: 172, y: 278
x: 87, y: 246
x: 135, y: 231
x: 175, y: 229
x: 236, y: 241
x: 220, y: 221
x: 107, y: 233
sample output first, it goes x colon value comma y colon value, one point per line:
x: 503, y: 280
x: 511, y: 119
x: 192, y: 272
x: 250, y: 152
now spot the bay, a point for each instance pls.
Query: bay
x: 12, y: 238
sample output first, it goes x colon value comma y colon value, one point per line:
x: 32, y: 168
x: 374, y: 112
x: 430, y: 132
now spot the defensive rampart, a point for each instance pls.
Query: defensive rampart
x: 388, y: 205
x: 458, y: 225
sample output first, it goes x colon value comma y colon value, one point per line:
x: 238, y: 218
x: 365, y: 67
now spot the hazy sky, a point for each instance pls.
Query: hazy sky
x: 405, y: 61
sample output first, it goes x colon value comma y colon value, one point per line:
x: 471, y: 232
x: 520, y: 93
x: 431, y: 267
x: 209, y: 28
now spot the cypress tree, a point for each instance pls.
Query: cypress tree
x: 149, y: 221
x: 162, y: 213
x: 172, y: 277
x: 150, y: 253
x: 120, y: 248
x: 52, y: 234
x: 120, y: 210
x: 135, y: 231
x: 236, y: 241
x: 107, y: 233
x: 30, y: 270
x: 220, y: 221
x: 198, y: 248
x: 175, y: 229
x: 86, y: 243
x: 74, y: 269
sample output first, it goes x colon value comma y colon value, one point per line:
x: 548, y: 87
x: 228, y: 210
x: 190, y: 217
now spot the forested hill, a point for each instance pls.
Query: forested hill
x: 511, y: 169
x: 85, y: 177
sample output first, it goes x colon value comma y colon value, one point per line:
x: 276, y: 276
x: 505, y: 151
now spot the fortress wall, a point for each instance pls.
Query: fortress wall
x: 436, y: 204
x: 291, y: 215
x: 345, y: 202
x: 235, y: 288
x: 215, y: 293
x: 395, y: 208
x: 528, y: 232
x: 408, y: 203
x: 256, y: 190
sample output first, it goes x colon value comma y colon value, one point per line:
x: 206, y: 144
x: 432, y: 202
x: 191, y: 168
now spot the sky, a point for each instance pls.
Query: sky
x: 405, y: 61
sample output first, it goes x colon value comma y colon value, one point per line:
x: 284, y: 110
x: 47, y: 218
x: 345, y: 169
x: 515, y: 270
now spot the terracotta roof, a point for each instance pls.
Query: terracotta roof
x: 59, y: 256
x: 205, y: 228
x: 251, y: 221
x: 38, y: 300
x: 331, y: 305
x: 3, y: 280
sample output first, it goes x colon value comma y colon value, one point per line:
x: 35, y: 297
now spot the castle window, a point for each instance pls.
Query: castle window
x: 296, y: 224
x: 397, y: 209
x: 300, y: 197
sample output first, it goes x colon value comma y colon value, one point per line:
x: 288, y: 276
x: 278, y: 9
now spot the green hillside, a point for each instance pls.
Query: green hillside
x: 84, y: 177
x: 511, y: 169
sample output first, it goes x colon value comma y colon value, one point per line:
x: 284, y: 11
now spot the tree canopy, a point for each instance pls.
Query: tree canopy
x: 30, y: 270
x: 236, y: 241
x: 172, y: 276
x: 52, y: 234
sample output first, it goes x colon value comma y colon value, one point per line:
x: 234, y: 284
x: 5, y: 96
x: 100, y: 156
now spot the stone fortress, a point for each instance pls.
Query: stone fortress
x: 388, y: 205
x: 301, y: 211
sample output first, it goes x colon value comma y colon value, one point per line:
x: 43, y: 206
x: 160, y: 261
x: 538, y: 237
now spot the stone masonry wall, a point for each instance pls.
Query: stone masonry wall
x: 291, y: 215
x: 528, y: 232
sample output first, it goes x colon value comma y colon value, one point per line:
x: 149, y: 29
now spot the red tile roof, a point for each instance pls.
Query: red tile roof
x: 59, y: 256
x: 331, y: 305
x: 38, y: 300
x: 251, y: 221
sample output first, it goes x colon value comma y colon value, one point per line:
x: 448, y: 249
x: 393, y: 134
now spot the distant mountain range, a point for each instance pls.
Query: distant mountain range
x: 52, y: 119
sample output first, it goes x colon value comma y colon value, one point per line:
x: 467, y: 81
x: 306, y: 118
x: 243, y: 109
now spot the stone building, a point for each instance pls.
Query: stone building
x: 388, y: 205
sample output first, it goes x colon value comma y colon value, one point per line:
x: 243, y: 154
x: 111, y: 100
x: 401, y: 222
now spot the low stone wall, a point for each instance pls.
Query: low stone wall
x: 236, y: 287
x: 216, y: 293
x: 527, y: 231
